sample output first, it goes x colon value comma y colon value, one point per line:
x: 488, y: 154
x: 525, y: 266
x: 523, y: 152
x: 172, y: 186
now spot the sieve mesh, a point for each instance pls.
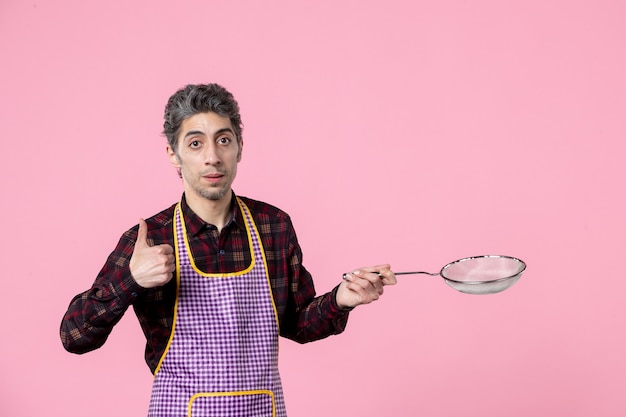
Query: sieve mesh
x: 482, y: 268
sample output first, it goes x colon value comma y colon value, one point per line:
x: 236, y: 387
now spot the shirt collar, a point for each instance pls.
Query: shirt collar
x: 196, y: 225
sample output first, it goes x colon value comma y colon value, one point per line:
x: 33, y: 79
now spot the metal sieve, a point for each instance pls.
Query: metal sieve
x: 487, y: 274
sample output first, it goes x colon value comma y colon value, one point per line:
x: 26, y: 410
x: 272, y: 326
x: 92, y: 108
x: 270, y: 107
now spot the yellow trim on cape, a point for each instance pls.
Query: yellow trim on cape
x: 242, y: 207
x: 169, y: 341
x: 230, y: 274
x: 231, y: 394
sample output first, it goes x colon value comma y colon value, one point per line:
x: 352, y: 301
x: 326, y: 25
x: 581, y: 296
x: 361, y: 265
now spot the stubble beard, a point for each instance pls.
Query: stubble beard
x: 213, y: 195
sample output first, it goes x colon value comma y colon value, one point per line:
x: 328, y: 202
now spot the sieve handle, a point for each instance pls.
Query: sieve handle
x: 408, y: 273
x: 417, y: 272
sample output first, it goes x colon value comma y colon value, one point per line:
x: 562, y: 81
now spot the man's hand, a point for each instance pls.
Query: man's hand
x: 364, y: 285
x: 151, y: 266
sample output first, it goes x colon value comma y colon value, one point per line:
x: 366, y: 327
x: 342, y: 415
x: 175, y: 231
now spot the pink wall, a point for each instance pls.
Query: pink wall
x: 410, y: 132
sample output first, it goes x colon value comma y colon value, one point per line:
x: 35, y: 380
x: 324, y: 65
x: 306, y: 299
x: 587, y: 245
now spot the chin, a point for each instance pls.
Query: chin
x: 215, y: 195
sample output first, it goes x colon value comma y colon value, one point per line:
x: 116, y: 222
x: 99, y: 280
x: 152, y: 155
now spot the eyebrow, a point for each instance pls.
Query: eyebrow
x: 201, y: 133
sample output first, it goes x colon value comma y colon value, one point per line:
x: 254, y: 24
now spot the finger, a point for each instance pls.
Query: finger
x: 373, y: 277
x: 368, y: 281
x: 142, y: 235
x: 384, y: 273
x: 375, y: 268
x: 388, y: 277
x: 164, y: 249
x: 364, y: 291
x: 171, y: 263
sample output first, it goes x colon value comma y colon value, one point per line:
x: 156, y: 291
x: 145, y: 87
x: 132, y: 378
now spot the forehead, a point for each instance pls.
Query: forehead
x: 205, y: 124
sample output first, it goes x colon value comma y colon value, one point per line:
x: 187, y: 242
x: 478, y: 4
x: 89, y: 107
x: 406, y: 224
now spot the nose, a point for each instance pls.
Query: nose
x: 211, y: 155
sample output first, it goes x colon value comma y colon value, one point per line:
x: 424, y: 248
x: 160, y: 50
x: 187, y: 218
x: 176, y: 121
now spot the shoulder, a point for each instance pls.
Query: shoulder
x: 164, y: 218
x: 275, y: 228
x: 159, y: 227
x: 266, y: 214
x: 261, y: 208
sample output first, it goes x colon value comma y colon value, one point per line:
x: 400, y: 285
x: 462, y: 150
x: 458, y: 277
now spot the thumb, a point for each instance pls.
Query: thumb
x: 142, y: 235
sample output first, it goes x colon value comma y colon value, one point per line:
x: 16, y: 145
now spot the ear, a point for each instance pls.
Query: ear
x: 173, y: 157
x: 239, y: 152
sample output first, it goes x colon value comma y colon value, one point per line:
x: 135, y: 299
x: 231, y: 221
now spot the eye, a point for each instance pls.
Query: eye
x: 194, y: 144
x: 224, y: 140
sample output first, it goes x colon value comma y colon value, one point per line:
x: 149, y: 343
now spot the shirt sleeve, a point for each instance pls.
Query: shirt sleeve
x: 92, y: 314
x: 309, y: 318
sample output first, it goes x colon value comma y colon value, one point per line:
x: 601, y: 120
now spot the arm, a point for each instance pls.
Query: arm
x: 92, y: 314
x: 328, y: 314
x: 132, y: 267
x: 310, y: 318
x: 307, y: 317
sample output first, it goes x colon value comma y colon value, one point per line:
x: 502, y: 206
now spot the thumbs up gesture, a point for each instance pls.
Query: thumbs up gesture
x: 151, y: 266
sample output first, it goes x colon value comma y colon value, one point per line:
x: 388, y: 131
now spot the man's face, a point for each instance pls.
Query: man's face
x: 207, y: 155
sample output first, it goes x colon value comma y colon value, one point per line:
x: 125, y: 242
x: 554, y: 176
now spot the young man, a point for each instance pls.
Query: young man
x: 214, y: 279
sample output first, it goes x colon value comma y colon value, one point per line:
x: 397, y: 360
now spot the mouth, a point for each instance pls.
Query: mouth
x: 213, y: 177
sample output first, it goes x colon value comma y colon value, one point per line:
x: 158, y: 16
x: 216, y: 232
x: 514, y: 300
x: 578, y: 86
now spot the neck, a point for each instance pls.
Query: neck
x: 215, y: 212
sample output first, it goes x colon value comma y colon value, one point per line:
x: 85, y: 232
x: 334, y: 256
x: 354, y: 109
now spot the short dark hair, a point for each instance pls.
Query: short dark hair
x: 199, y: 98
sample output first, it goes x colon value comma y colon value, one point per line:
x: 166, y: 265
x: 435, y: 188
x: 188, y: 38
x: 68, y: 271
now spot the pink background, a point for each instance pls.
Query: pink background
x: 408, y: 132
